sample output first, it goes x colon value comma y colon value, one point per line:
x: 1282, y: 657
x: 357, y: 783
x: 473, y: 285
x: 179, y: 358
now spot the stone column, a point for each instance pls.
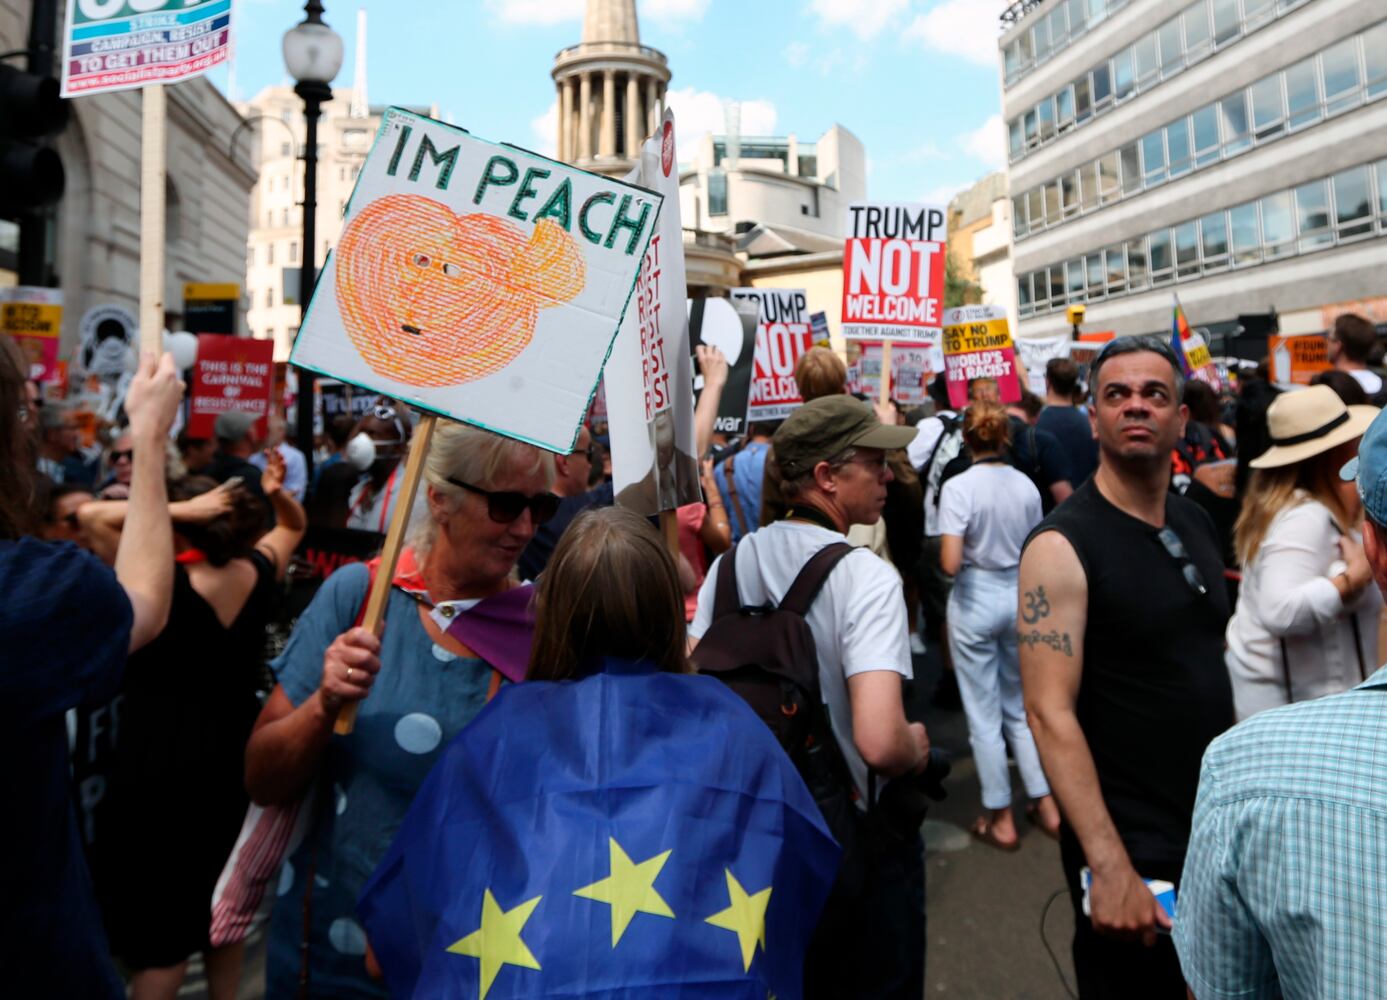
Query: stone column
x: 652, y: 110
x: 633, y: 116
x: 566, y: 119
x: 585, y: 117
x: 607, y: 143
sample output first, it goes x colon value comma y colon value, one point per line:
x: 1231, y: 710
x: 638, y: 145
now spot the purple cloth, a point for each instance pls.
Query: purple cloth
x: 500, y: 629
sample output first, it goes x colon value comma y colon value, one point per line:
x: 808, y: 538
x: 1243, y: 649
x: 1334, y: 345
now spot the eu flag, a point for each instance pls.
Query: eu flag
x: 630, y: 834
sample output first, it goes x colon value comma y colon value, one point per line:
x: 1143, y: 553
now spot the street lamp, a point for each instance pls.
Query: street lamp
x: 313, y: 56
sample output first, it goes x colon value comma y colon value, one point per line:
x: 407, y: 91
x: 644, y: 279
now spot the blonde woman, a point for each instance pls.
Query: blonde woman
x: 1306, y: 620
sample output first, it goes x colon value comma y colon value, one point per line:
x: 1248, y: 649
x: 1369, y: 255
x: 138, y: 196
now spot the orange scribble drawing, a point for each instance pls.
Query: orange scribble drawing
x: 431, y: 298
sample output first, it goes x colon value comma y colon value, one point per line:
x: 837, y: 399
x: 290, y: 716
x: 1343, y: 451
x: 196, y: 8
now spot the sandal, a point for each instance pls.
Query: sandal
x: 1033, y: 817
x: 982, y: 830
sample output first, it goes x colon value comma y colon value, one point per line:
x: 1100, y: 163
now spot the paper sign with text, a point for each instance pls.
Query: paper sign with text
x: 33, y: 317
x: 649, y: 376
x: 977, y: 344
x: 1296, y: 360
x: 232, y: 374
x: 730, y: 326
x: 912, y: 368
x: 783, y: 335
x: 1037, y: 352
x: 478, y: 281
x: 893, y: 272
x: 119, y: 44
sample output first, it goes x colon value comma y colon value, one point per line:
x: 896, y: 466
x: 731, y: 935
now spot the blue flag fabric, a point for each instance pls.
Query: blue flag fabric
x: 630, y: 834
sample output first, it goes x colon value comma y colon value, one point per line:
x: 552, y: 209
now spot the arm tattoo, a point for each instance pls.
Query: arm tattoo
x: 1057, y: 641
x: 1037, y: 606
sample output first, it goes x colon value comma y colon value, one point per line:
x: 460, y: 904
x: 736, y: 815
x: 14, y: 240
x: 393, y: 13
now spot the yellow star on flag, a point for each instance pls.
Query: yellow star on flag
x: 746, y: 917
x: 629, y: 889
x: 497, y: 942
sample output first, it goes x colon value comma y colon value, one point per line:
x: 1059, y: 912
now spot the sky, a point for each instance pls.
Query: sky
x: 915, y: 80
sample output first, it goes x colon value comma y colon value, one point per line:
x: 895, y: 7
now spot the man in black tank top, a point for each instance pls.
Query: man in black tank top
x: 1121, y: 620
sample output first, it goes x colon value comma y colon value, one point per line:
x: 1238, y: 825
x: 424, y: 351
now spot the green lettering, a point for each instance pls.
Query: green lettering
x: 527, y: 190
x: 448, y: 160
x: 399, y: 151
x: 623, y: 221
x: 489, y: 176
x: 603, y: 198
x: 559, y: 206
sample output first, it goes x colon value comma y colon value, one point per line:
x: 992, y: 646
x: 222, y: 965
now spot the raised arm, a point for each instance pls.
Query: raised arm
x: 713, y: 366
x: 280, y: 541
x: 1051, y: 618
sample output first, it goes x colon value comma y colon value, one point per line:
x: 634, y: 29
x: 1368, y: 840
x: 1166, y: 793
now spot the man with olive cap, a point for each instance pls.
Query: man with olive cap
x: 1287, y: 866
x: 831, y: 454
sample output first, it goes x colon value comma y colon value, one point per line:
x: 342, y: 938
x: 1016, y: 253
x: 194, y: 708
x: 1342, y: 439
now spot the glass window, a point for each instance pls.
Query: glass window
x: 1083, y: 104
x: 1027, y: 50
x: 1303, y: 93
x: 1014, y: 142
x: 1057, y: 284
x: 1341, y: 79
x: 1011, y: 60
x: 1312, y: 215
x: 1375, y: 49
x: 1177, y: 144
x: 1278, y: 229
x: 1023, y: 292
x: 1088, y: 186
x: 1172, y: 47
x: 1255, y: 12
x: 270, y: 254
x: 1045, y: 110
x: 1097, y: 272
x: 1116, y: 270
x: 1097, y: 10
x: 1352, y: 210
x: 1052, y: 202
x: 1059, y: 28
x: 1064, y: 106
x: 1069, y: 193
x: 1153, y: 157
x: 1381, y: 171
x: 1225, y: 21
x: 1146, y: 63
x: 1018, y: 215
x: 1247, y: 241
x: 1213, y: 234
x: 1268, y: 106
x: 1233, y: 115
x: 1078, y: 17
x: 1196, y: 18
x: 294, y: 252
x: 1162, y: 261
x: 1102, y: 85
x: 1109, y: 184
x: 1029, y: 128
x: 717, y: 192
x: 1075, y: 269
x: 1136, y: 263
x: 1122, y: 74
x: 1131, y: 168
x: 1041, y: 34
x: 1187, y: 249
x: 1036, y: 208
x: 1204, y: 123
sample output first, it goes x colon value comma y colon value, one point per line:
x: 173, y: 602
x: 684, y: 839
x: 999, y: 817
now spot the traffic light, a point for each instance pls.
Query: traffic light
x: 31, y: 174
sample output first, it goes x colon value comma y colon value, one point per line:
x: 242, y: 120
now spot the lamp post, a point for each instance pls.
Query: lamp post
x: 313, y: 56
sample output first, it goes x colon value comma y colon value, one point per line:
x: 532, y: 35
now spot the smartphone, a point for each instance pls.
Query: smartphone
x: 1161, y: 889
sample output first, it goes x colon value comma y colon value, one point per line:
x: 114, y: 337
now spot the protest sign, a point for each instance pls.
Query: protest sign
x: 649, y: 376
x: 977, y: 344
x: 893, y: 272
x: 1296, y: 360
x: 1037, y: 352
x: 210, y: 308
x: 33, y: 317
x: 1193, y: 351
x: 119, y: 44
x: 108, y: 333
x: 338, y: 399
x: 818, y: 322
x: 912, y: 367
x: 232, y: 374
x: 730, y: 326
x: 477, y: 281
x: 783, y: 334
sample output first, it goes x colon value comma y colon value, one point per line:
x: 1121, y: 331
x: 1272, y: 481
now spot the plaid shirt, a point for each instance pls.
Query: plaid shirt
x: 1284, y: 890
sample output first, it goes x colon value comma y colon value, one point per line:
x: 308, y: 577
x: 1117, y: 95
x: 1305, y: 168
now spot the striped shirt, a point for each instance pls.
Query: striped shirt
x: 1284, y: 892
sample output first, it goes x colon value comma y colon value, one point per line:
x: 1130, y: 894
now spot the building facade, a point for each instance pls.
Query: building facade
x: 1233, y: 152
x: 980, y: 241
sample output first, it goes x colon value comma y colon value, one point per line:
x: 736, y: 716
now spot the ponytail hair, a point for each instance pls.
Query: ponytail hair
x: 986, y: 427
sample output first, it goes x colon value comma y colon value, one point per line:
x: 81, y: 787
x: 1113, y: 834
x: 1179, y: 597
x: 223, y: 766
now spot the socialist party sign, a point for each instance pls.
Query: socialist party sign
x: 977, y: 344
x: 783, y: 334
x: 119, y: 44
x: 232, y: 373
x: 893, y: 272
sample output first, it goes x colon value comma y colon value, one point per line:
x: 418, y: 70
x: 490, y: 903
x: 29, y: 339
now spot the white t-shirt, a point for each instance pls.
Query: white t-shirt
x: 858, y: 619
x: 993, y: 508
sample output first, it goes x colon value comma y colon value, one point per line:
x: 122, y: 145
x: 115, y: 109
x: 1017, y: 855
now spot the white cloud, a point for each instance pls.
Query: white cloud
x: 673, y: 10
x: 546, y: 130
x: 864, y: 18
x: 986, y: 143
x: 941, y: 194
x: 963, y: 28
x: 796, y: 54
x: 547, y: 12
x: 699, y: 112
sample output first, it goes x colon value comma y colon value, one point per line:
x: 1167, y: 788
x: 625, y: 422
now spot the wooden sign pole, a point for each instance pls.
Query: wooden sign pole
x: 374, y: 618
x: 153, y: 166
x: 885, y: 372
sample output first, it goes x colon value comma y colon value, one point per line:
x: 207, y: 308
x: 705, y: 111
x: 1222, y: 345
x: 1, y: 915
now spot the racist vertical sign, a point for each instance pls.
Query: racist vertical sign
x: 977, y: 344
x: 730, y: 326
x: 649, y: 376
x: 232, y: 374
x: 33, y: 317
x: 893, y: 272
x: 478, y: 281
x: 119, y: 44
x: 783, y: 334
x: 1297, y: 360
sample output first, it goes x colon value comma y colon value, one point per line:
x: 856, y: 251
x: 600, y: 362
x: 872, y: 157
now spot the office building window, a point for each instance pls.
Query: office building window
x: 1303, y: 93
x: 1342, y: 81
x: 1186, y: 249
x: 1225, y: 20
x: 293, y: 251
x: 1102, y: 87
x: 1278, y: 225
x: 1136, y: 263
x: 1312, y: 215
x: 1096, y: 273
x: 717, y: 192
x: 1123, y: 80
x: 1204, y: 123
x: 1352, y: 210
x: 1375, y: 59
x: 1109, y: 178
x: 1213, y: 237
x: 1075, y: 269
x: 1161, y: 257
x: 1196, y: 24
x: 1168, y: 37
x: 1177, y: 144
x: 1153, y: 157
x: 1247, y: 237
x: 1064, y: 107
x: 1236, y: 131
x: 1268, y: 107
x: 1117, y: 270
x: 1088, y: 186
x: 1083, y: 99
x: 270, y: 298
x: 1069, y: 193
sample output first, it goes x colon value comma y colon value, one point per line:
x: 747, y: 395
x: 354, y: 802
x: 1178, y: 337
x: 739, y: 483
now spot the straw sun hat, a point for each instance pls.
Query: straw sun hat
x: 1308, y: 423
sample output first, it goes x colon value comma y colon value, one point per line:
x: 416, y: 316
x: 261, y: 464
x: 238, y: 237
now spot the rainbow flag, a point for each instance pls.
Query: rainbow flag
x: 1180, y: 335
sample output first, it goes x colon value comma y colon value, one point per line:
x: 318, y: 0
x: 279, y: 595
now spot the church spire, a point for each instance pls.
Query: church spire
x: 611, y: 21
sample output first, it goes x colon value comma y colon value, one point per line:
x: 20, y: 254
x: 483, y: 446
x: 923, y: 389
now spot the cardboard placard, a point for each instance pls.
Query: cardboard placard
x: 108, y: 333
x: 33, y: 317
x: 1036, y: 353
x: 783, y: 335
x: 912, y: 368
x: 1296, y: 360
x: 478, y: 281
x: 649, y: 376
x: 893, y: 272
x: 977, y: 344
x: 119, y: 44
x: 231, y: 374
x: 730, y: 326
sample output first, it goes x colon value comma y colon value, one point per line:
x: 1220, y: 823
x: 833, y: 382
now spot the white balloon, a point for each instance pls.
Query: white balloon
x: 183, y: 346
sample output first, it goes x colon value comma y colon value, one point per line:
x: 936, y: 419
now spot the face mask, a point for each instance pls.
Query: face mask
x: 361, y: 452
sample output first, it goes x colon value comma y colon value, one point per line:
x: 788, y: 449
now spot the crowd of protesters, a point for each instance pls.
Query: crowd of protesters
x: 1123, y: 579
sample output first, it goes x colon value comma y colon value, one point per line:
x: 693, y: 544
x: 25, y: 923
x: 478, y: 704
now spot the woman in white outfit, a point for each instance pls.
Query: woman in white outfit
x: 1306, y: 620
x: 985, y: 515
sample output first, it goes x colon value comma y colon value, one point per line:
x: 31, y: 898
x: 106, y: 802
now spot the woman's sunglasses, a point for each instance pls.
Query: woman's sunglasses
x: 505, y: 506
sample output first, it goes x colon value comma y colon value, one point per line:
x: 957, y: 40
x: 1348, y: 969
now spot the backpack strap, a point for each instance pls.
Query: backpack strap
x: 735, y: 506
x: 726, y: 600
x: 812, y: 578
